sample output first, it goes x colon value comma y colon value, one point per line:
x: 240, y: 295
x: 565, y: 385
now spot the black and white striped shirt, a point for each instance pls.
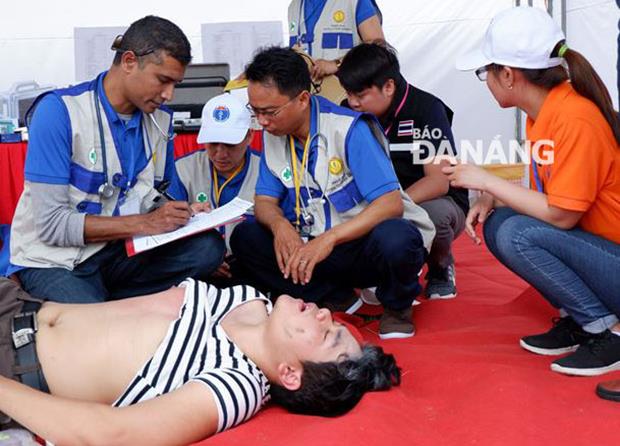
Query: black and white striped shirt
x: 196, y: 348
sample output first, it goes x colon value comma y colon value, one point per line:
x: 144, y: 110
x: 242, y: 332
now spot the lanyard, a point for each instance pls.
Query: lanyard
x: 132, y: 160
x: 297, y: 175
x: 397, y: 111
x: 539, y: 184
x: 219, y: 189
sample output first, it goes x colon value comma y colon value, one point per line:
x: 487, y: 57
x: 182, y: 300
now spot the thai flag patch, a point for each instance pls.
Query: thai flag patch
x: 405, y: 128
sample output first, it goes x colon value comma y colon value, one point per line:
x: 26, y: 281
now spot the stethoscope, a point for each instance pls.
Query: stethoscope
x: 106, y: 190
x: 314, y: 203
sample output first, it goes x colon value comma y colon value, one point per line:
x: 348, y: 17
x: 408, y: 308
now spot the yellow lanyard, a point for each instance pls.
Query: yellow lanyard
x: 218, y: 190
x: 297, y: 175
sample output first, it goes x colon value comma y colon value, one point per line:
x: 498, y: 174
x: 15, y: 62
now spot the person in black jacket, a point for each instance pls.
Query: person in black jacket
x: 418, y: 127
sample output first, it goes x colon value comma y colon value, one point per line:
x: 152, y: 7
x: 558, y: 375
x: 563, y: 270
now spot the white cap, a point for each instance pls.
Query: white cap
x: 224, y: 120
x: 519, y: 37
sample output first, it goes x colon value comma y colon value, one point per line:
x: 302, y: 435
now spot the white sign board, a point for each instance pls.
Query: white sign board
x: 92, y: 50
x: 235, y: 42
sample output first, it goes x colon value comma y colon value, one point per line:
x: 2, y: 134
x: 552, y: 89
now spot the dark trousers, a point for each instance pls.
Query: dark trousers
x: 389, y: 257
x: 110, y: 274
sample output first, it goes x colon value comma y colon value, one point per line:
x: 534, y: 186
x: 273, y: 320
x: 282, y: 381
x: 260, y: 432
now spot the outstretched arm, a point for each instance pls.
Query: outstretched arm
x: 525, y: 201
x: 181, y: 417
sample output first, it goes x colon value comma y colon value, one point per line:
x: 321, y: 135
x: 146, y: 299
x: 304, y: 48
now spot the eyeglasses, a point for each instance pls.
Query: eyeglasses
x: 117, y: 46
x: 271, y: 113
x: 483, y: 72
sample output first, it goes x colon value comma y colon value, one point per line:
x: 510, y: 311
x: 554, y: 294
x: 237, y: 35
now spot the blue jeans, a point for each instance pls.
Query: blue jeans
x: 388, y: 257
x: 574, y: 270
x: 110, y: 274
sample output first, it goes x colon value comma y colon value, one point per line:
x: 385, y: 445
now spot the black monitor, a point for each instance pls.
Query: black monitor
x: 201, y: 83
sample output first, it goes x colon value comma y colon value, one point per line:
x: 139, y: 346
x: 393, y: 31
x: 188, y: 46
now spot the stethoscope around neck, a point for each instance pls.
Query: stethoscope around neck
x: 307, y: 216
x: 106, y: 190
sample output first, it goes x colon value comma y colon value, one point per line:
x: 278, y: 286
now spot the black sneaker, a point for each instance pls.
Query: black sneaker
x: 564, y: 337
x: 441, y: 283
x: 601, y: 354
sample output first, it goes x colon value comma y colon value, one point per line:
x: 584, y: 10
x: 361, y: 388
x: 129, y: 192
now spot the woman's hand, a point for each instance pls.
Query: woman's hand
x: 478, y: 213
x: 468, y: 176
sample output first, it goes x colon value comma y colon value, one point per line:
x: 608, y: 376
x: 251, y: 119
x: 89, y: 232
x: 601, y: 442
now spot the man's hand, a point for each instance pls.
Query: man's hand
x: 301, y: 264
x: 286, y: 241
x: 322, y: 68
x: 200, y: 207
x: 168, y: 217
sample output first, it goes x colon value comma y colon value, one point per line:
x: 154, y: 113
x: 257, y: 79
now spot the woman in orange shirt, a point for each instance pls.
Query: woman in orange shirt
x: 562, y: 235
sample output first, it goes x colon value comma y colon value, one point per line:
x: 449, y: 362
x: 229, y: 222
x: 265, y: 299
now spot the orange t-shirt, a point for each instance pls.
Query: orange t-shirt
x: 585, y: 173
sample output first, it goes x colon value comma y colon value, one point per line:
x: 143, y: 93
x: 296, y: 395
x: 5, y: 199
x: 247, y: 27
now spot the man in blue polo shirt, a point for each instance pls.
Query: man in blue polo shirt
x: 326, y: 30
x: 330, y: 212
x: 98, y: 153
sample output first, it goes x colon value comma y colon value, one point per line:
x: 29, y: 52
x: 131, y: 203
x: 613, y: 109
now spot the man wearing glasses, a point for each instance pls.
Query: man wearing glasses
x: 330, y: 212
x: 97, y: 155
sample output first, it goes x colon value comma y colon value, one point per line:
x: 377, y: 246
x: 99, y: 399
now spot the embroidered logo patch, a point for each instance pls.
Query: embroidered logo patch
x: 221, y: 113
x: 201, y: 197
x: 335, y: 166
x: 286, y: 174
x: 339, y: 16
x: 92, y: 156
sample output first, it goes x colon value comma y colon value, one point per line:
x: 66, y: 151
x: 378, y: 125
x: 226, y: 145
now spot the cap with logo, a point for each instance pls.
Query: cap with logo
x: 224, y: 120
x: 519, y: 37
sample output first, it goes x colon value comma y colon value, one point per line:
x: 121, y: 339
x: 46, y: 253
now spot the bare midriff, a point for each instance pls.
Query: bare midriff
x: 105, y: 344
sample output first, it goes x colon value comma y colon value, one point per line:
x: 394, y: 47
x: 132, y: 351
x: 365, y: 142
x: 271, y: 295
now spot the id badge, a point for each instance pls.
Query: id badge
x: 131, y: 204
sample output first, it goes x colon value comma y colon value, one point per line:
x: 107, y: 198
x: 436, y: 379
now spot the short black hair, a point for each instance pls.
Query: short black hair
x: 152, y: 35
x: 282, y: 67
x: 330, y: 389
x: 368, y: 65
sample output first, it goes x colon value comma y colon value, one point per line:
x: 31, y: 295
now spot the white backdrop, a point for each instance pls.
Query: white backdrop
x: 38, y: 44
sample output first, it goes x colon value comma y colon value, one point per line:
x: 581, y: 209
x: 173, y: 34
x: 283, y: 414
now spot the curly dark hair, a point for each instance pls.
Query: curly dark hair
x: 282, y: 67
x: 330, y: 389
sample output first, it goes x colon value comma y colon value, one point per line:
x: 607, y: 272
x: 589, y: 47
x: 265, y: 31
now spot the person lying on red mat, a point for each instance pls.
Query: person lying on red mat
x: 176, y: 366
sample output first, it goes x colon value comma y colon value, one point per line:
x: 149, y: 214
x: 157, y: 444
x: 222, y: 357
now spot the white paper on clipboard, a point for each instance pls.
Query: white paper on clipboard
x: 229, y: 213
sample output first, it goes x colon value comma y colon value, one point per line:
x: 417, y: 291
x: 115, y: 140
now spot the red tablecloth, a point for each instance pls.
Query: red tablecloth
x: 12, y: 159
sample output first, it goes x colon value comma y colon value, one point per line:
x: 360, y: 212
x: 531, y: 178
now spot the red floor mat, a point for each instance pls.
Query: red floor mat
x: 465, y: 381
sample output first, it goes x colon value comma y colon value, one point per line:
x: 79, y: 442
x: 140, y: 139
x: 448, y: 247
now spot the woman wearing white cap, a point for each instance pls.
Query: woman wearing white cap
x: 562, y: 235
x: 226, y: 168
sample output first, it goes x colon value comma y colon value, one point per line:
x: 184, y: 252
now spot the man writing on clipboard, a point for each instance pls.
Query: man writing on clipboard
x: 96, y: 155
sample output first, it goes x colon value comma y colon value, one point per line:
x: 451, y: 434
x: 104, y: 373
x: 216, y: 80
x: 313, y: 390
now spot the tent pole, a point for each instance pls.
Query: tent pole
x: 564, y: 16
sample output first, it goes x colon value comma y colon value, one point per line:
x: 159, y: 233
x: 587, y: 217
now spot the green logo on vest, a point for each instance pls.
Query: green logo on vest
x: 92, y: 156
x: 292, y: 26
x: 201, y: 197
x: 286, y: 174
